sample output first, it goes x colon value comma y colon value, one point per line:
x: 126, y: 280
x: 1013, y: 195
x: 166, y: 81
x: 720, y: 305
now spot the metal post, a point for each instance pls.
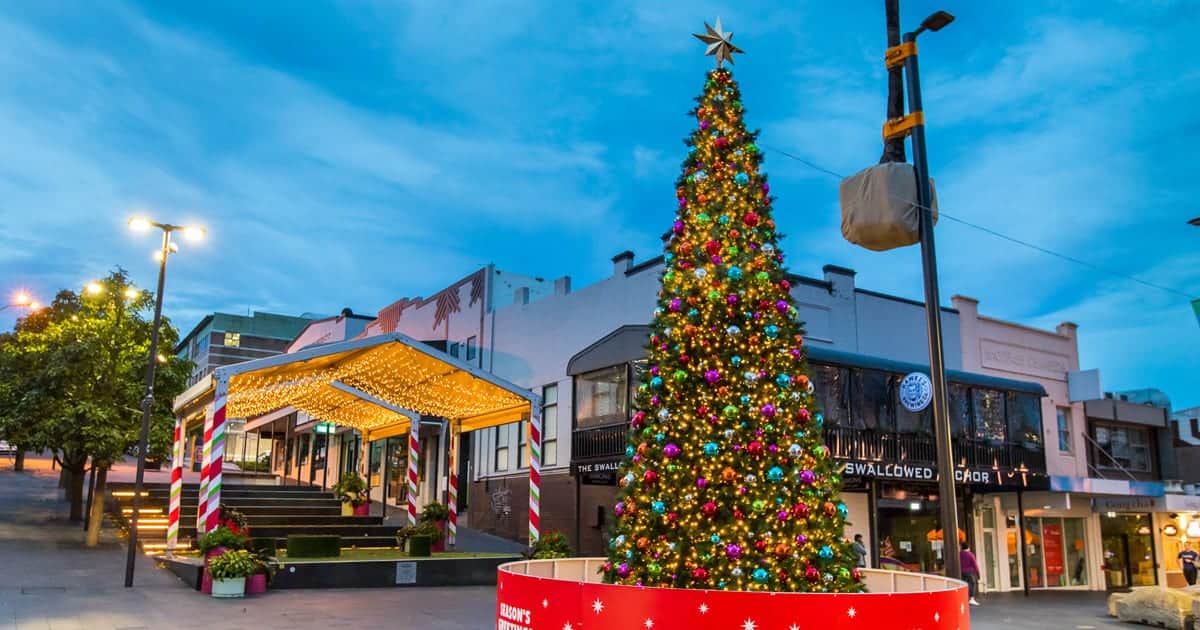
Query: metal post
x: 873, y: 520
x: 1021, y: 542
x: 147, y: 403
x: 933, y: 317
x: 387, y: 473
x: 325, y: 462
x: 87, y: 512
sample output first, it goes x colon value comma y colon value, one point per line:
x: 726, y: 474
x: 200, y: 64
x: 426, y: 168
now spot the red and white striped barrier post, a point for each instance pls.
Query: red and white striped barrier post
x: 212, y: 504
x: 452, y: 487
x: 176, y: 487
x: 205, y: 460
x: 535, y: 469
x: 412, y: 471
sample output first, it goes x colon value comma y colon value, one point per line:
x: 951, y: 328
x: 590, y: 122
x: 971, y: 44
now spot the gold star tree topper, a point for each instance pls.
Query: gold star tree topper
x: 720, y: 43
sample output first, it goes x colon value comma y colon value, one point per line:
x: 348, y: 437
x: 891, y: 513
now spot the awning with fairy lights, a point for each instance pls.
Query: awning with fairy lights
x: 378, y: 384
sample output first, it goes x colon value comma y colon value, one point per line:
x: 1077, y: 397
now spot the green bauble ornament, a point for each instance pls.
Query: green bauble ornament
x: 759, y: 505
x: 730, y: 411
x: 702, y: 217
x: 654, y: 568
x: 762, y: 276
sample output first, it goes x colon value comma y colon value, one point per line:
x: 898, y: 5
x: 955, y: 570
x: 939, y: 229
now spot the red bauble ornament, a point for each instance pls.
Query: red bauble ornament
x: 709, y: 508
x: 738, y: 514
x: 750, y: 219
x: 760, y: 545
x: 812, y: 574
x: 700, y: 574
x: 649, y: 476
x: 672, y: 517
x: 755, y: 448
x: 800, y: 510
x: 713, y: 248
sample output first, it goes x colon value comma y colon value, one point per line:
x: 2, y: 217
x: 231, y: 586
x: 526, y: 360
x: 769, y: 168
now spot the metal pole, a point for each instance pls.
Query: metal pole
x: 387, y: 473
x: 1021, y: 542
x: 933, y: 316
x: 873, y: 520
x: 147, y: 403
x: 325, y: 463
x: 87, y: 512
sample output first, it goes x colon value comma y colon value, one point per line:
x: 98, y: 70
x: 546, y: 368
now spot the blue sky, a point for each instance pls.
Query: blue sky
x: 350, y: 153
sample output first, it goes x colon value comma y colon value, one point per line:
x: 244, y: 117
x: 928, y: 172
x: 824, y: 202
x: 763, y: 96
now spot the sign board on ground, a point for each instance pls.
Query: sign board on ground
x: 406, y: 572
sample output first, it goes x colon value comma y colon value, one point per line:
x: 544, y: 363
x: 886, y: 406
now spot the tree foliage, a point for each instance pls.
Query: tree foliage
x: 72, y: 377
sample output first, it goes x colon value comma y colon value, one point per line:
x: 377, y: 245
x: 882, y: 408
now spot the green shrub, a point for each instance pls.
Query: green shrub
x: 351, y: 489
x: 232, y: 565
x: 435, y: 513
x: 263, y: 546
x: 551, y: 545
x: 427, y: 529
x: 221, y: 537
x: 309, y: 546
x: 419, y: 546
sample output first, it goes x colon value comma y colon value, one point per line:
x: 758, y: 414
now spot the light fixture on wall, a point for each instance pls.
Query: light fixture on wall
x: 1193, y: 529
x: 915, y: 506
x: 1143, y: 530
x: 1170, y: 529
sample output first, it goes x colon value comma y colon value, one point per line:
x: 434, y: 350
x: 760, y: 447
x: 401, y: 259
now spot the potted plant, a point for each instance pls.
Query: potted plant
x: 352, y: 490
x: 549, y: 546
x: 264, y: 569
x: 229, y: 572
x: 437, y: 514
x: 214, y: 544
x: 418, y: 540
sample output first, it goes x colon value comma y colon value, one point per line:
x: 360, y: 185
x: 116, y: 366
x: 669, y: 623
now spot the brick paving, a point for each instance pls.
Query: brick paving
x: 50, y: 581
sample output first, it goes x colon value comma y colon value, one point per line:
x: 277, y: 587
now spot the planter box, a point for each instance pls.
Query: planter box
x: 363, y: 510
x: 256, y: 584
x: 419, y: 546
x: 439, y: 545
x: 229, y: 589
x: 347, y: 509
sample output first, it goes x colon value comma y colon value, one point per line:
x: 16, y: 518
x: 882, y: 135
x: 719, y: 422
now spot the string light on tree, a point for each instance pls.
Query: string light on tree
x: 727, y: 483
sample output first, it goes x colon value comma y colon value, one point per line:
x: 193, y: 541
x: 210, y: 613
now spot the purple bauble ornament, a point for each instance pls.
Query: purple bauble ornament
x: 623, y: 570
x: 733, y: 551
x: 675, y: 305
x: 671, y: 451
x: 712, y: 376
x: 704, y: 124
x: 701, y: 483
x: 808, y: 477
x: 781, y: 306
x: 654, y: 370
x: 801, y: 539
x: 619, y: 508
x: 731, y: 299
x: 768, y: 410
x: 783, y: 515
x: 678, y: 227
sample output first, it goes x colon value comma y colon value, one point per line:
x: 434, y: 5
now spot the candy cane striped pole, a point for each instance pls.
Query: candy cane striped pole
x: 412, y: 472
x: 176, y: 487
x: 212, y: 506
x: 205, y: 461
x: 535, y: 469
x: 452, y: 489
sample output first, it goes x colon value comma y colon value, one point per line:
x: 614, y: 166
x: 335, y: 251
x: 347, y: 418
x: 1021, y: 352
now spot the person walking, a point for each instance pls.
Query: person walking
x: 1187, y: 562
x: 970, y: 572
x: 860, y: 550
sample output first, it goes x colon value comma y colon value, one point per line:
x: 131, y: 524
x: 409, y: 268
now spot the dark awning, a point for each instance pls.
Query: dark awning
x: 625, y: 344
x: 826, y: 356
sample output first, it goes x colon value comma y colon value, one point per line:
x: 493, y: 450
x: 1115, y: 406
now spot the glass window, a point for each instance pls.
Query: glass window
x: 550, y: 425
x: 500, y: 435
x: 1123, y: 447
x: 1064, y: 429
x: 602, y: 397
x: 523, y: 444
x: 989, y: 415
x: 872, y: 390
x: 1024, y: 419
x: 233, y: 339
x: 472, y: 348
x: 1076, y: 552
x: 454, y: 349
x: 960, y: 410
x: 908, y: 421
x: 831, y: 386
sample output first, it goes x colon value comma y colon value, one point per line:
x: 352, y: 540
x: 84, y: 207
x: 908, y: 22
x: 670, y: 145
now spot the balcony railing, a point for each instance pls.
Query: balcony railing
x: 856, y: 444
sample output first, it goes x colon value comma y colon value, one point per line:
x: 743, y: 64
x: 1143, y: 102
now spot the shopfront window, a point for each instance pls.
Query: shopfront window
x: 831, y: 385
x: 872, y: 396
x: 602, y: 397
x: 960, y: 410
x: 1024, y: 419
x: 1128, y: 549
x: 1056, y: 552
x: 989, y: 415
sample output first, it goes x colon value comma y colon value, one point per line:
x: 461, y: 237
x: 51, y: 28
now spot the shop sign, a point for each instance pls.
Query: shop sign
x: 325, y: 427
x: 1182, y: 503
x: 916, y: 392
x: 880, y: 470
x: 1127, y: 504
x: 603, y: 473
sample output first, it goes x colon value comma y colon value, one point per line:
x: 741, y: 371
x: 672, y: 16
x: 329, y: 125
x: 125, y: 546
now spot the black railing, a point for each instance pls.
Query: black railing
x: 856, y: 444
x: 598, y: 442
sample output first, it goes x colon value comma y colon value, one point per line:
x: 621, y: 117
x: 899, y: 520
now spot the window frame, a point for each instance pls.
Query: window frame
x: 499, y: 444
x: 472, y: 344
x: 1062, y: 417
x: 549, y: 427
x: 235, y: 337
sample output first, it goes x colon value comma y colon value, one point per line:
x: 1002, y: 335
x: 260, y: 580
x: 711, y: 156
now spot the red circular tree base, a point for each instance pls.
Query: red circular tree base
x: 567, y: 595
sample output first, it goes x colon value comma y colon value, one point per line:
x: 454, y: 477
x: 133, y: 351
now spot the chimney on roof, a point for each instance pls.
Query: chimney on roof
x: 346, y: 312
x: 622, y: 263
x: 562, y: 286
x: 521, y: 295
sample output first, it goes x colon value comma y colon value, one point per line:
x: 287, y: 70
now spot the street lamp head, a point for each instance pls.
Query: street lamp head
x: 937, y: 21
x: 194, y: 233
x: 94, y: 288
x: 21, y: 298
x: 35, y: 306
x: 131, y: 293
x: 140, y: 224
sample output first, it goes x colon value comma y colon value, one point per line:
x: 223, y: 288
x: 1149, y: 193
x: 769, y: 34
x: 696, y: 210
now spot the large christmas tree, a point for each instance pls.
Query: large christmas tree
x: 727, y: 483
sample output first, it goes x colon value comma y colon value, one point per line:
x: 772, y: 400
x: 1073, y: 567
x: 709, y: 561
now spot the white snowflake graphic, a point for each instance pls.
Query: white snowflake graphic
x: 597, y: 606
x: 703, y: 609
x: 937, y: 617
x: 749, y: 624
x: 567, y: 626
x: 851, y: 613
x: 793, y: 627
x: 545, y: 603
x: 649, y: 623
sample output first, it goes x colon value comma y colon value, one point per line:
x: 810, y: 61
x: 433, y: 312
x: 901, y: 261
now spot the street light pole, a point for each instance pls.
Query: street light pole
x: 147, y: 403
x: 933, y: 314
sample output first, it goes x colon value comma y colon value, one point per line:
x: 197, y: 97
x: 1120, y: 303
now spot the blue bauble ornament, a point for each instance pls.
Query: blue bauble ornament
x: 715, y: 539
x: 691, y: 149
x: 656, y: 382
x: 760, y: 575
x: 711, y: 449
x: 819, y: 419
x: 668, y: 257
x: 700, y: 176
x: 735, y: 360
x: 771, y: 331
x: 618, y: 541
x: 742, y: 179
x: 750, y: 376
x: 693, y: 313
x: 734, y: 273
x: 775, y: 474
x: 733, y: 331
x: 659, y: 507
x: 783, y: 380
x: 628, y: 451
x: 843, y: 511
x: 724, y: 219
x: 745, y: 399
x: 664, y: 414
x: 826, y: 553
x: 659, y: 437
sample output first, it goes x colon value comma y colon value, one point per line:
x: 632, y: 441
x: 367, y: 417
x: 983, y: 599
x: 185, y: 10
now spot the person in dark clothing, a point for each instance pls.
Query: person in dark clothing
x: 1187, y: 562
x: 970, y: 571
